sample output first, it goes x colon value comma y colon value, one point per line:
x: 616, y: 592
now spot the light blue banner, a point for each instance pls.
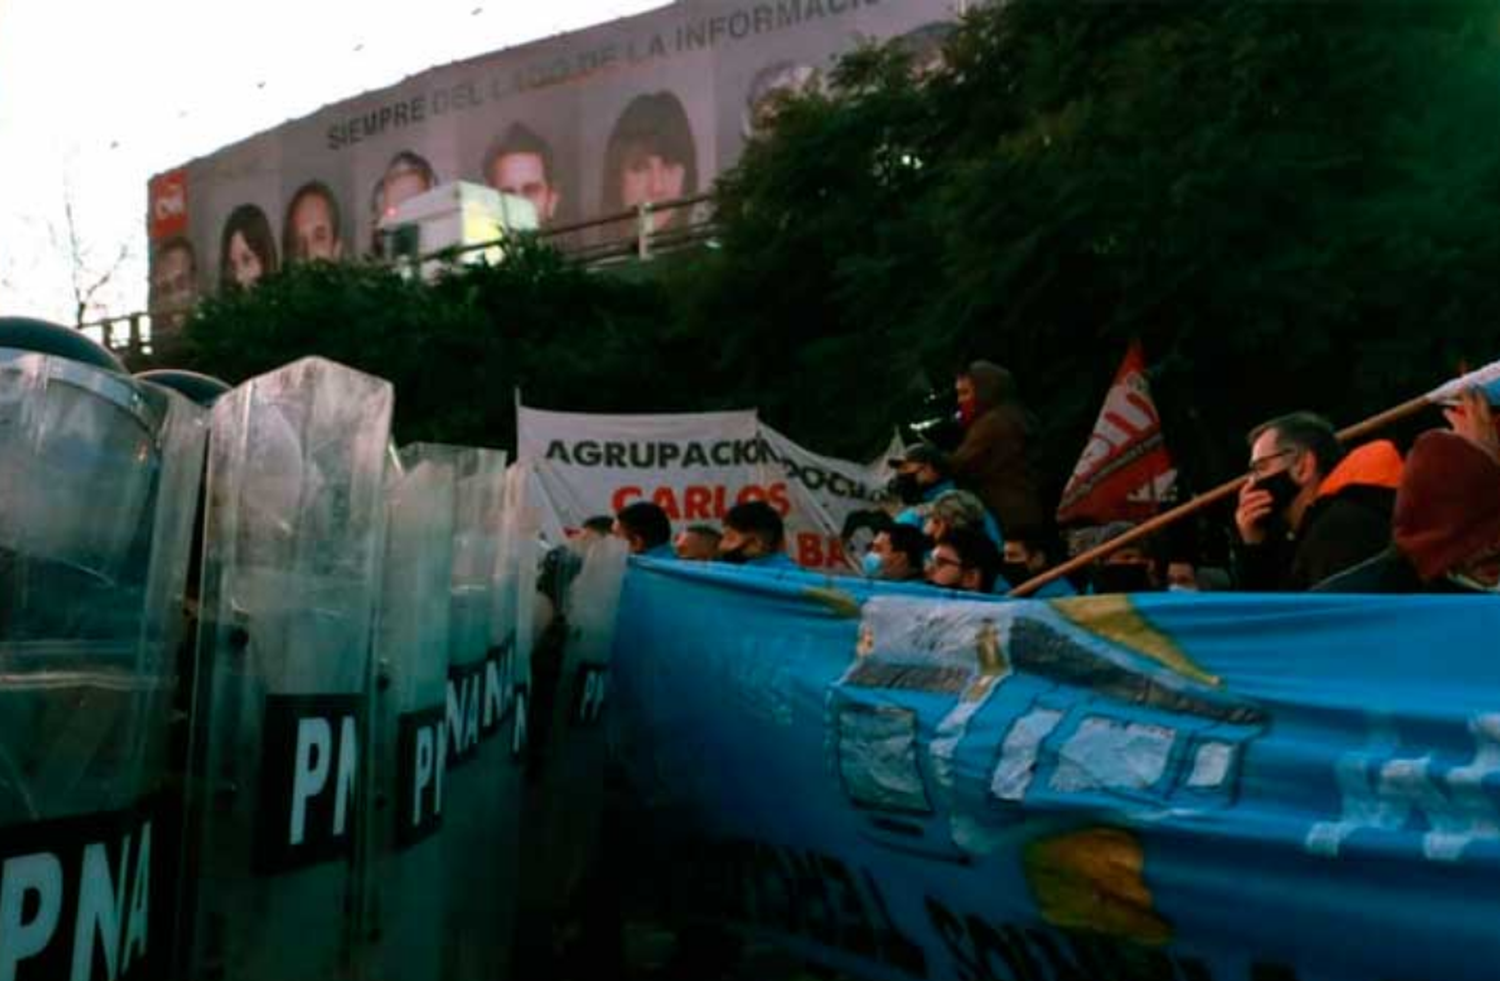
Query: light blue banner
x: 907, y: 784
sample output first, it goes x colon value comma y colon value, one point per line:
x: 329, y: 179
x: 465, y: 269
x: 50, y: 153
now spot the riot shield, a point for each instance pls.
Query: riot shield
x: 98, y: 478
x: 406, y: 886
x: 570, y: 796
x: 293, y: 543
x: 481, y: 785
x: 517, y: 596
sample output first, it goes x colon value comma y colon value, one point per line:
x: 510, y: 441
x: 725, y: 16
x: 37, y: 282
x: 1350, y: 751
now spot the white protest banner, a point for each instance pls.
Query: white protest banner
x: 695, y: 467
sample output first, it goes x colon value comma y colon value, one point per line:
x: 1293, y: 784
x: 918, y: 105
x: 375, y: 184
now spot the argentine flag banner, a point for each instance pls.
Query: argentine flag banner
x: 908, y: 784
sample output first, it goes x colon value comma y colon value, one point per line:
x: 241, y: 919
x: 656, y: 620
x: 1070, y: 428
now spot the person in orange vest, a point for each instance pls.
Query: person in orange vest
x: 1445, y: 533
x: 1311, y: 510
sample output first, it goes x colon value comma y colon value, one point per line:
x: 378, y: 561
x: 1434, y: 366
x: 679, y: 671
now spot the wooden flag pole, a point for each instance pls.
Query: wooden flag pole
x: 1208, y: 499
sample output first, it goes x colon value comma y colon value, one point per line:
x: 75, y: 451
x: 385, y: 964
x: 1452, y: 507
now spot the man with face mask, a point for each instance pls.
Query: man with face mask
x: 965, y: 560
x: 921, y: 477
x: 1310, y: 511
x: 896, y: 555
x: 754, y: 535
x: 1031, y: 555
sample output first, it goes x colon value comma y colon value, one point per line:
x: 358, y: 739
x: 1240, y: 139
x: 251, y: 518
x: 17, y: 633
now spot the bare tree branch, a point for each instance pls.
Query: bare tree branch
x: 85, y: 279
x: 86, y: 297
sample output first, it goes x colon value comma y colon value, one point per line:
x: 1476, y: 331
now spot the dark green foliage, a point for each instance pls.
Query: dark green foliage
x: 456, y: 350
x: 1292, y: 204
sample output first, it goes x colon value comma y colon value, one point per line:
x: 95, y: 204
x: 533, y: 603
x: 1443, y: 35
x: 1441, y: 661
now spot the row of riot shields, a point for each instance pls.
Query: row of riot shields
x: 317, y: 772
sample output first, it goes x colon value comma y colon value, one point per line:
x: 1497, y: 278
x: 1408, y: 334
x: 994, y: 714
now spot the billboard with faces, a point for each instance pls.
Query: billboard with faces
x: 644, y: 109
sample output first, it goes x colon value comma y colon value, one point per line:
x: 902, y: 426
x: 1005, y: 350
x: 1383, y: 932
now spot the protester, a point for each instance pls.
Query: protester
x: 1310, y: 511
x: 954, y: 511
x: 1446, y: 527
x: 1127, y: 570
x: 1030, y: 555
x: 1182, y: 576
x: 1135, y: 568
x: 991, y: 460
x: 921, y: 477
x: 599, y: 526
x: 754, y: 535
x: 964, y: 560
x: 646, y: 529
x: 897, y: 555
x: 859, y: 532
x: 698, y: 543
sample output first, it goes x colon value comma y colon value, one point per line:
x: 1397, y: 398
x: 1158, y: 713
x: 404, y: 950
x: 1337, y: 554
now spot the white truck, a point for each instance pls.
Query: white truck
x: 464, y: 222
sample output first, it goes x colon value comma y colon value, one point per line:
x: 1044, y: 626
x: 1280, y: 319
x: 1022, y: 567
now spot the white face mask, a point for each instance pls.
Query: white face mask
x: 1472, y: 584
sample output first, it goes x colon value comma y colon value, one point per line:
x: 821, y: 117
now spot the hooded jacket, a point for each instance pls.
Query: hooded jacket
x: 1348, y: 522
x: 991, y: 460
x: 1447, y: 512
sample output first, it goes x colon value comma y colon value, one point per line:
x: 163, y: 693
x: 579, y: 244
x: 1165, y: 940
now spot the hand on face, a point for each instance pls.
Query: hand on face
x: 1255, y: 506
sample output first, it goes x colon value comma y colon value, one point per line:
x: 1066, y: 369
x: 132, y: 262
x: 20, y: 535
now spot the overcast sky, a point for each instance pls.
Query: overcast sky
x: 96, y: 96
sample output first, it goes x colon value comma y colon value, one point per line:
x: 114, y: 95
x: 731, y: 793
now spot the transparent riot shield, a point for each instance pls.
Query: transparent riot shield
x: 406, y: 886
x: 571, y: 792
x: 481, y: 785
x: 515, y: 619
x: 98, y: 478
x: 293, y: 543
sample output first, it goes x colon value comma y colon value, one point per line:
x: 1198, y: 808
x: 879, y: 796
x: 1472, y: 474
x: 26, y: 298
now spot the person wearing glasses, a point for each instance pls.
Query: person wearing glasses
x: 1310, y: 510
x: 965, y: 560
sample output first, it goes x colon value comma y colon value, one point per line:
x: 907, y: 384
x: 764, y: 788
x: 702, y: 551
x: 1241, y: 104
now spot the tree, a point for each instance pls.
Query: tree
x: 1272, y: 196
x: 88, y: 272
x: 456, y: 350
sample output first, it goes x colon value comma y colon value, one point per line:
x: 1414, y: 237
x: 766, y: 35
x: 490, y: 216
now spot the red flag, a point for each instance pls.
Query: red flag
x: 1125, y: 471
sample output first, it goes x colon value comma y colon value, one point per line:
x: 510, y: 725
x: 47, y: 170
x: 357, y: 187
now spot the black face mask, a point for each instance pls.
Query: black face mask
x: 1281, y: 487
x: 734, y: 556
x: 908, y: 488
x: 1123, y: 577
x: 1015, y: 573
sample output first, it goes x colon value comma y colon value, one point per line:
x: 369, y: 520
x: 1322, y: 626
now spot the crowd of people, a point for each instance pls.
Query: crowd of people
x: 1313, y: 514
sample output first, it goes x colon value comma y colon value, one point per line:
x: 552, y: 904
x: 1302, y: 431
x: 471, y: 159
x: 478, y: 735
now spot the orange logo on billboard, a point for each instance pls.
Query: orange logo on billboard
x: 168, y: 205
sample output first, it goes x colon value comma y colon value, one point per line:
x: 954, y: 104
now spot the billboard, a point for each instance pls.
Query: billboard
x: 644, y: 109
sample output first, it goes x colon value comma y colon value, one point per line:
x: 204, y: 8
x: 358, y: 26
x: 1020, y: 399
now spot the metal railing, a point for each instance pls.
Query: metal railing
x: 623, y: 235
x: 612, y: 239
x: 129, y: 336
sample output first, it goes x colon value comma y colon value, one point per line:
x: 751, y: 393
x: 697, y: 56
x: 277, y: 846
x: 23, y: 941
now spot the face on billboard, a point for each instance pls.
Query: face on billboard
x: 407, y: 176
x: 248, y: 251
x: 651, y: 157
x: 244, y: 264
x: 313, y: 231
x: 405, y: 184
x: 770, y: 86
x: 525, y: 175
x: 172, y: 278
x: 557, y: 125
x: 648, y: 178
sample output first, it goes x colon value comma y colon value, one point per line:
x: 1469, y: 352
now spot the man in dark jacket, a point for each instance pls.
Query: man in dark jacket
x: 1310, y: 511
x: 1446, y: 529
x: 991, y: 460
